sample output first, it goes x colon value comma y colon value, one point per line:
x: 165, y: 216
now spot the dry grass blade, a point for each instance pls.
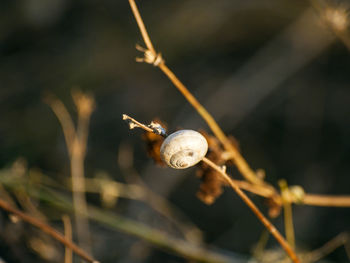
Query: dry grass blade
x: 48, y: 230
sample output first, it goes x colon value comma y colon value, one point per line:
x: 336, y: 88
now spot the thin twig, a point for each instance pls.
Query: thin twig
x: 326, y: 200
x: 267, y: 192
x: 141, y: 25
x: 308, y: 199
x: 270, y: 227
x: 68, y: 255
x: 288, y: 213
x: 134, y: 123
x: 240, y: 162
x: 327, y: 248
x: 235, y: 155
x: 154, y: 127
x: 48, y: 230
x: 243, y: 196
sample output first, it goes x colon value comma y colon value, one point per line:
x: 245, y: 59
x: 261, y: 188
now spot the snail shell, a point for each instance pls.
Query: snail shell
x: 183, y: 149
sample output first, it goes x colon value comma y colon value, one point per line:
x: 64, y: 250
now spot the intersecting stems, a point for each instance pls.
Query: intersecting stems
x: 271, y: 228
x: 48, y: 230
x: 242, y: 165
x: 240, y: 162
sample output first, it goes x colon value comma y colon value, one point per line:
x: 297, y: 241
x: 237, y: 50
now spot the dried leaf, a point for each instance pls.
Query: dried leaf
x: 274, y: 208
x: 211, y: 187
x: 212, y: 183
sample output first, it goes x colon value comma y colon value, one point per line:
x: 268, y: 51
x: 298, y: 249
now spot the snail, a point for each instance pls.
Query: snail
x: 183, y: 149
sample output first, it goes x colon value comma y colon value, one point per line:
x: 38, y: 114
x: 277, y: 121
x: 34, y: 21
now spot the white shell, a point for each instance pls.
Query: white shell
x: 183, y: 149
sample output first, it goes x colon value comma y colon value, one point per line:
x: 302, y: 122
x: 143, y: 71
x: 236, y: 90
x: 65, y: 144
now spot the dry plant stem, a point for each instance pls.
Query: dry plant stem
x: 154, y: 236
x: 326, y: 200
x: 142, y: 27
x: 309, y: 199
x: 65, y: 120
x: 327, y: 248
x: 287, y: 213
x: 141, y: 193
x: 48, y: 230
x: 271, y: 228
x: 113, y: 221
x: 256, y: 189
x: 160, y: 204
x: 268, y: 192
x: 136, y: 123
x: 241, y: 194
x: 241, y: 164
x: 78, y: 187
x: 68, y: 255
x: 76, y: 144
x: 78, y: 184
x: 288, y: 223
x: 264, y: 189
x: 261, y: 244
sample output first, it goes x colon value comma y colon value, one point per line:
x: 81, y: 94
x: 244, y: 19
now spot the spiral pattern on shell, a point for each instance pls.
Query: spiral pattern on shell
x: 183, y: 149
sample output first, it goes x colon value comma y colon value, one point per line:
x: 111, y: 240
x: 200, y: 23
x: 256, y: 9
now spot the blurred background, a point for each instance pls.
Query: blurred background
x: 274, y: 74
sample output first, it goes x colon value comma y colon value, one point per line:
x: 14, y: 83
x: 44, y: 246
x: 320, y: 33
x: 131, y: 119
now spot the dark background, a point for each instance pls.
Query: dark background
x: 272, y: 73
